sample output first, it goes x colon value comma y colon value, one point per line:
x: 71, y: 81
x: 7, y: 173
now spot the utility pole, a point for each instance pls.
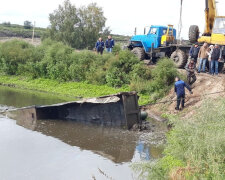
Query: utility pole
x: 33, y: 33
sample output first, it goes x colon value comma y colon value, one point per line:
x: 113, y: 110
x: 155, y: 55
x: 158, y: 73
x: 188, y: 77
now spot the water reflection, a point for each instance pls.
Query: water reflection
x: 143, y: 151
x: 21, y: 98
x: 114, y: 144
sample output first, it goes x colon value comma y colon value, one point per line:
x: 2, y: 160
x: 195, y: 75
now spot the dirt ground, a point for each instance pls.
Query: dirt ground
x: 206, y: 86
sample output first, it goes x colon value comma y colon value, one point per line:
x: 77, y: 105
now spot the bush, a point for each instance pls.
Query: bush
x: 155, y: 83
x: 116, y: 49
x: 165, y: 72
x: 14, y: 53
x: 120, y: 71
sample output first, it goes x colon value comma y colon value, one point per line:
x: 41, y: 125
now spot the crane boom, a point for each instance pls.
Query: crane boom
x: 210, y: 14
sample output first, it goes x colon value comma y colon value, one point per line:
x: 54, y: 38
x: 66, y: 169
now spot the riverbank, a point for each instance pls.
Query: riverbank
x: 196, y: 144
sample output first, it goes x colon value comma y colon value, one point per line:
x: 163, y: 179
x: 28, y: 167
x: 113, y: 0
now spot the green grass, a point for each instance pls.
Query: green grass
x: 195, y: 147
x: 65, y: 89
x: 72, y: 89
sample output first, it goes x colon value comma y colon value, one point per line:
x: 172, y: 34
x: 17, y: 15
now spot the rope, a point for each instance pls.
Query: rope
x: 180, y: 21
x: 170, y: 101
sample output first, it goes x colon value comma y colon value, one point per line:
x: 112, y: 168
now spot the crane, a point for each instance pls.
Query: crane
x: 214, y: 32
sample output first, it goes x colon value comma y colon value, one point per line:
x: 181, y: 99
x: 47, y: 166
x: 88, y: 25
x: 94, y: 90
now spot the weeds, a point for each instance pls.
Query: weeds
x: 195, y: 148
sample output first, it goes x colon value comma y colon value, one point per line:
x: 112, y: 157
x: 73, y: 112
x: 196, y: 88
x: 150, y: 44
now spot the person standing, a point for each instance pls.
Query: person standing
x: 203, y: 56
x: 211, y: 47
x: 190, y: 68
x: 215, y: 58
x: 109, y: 44
x: 193, y: 53
x: 100, y: 46
x: 180, y: 91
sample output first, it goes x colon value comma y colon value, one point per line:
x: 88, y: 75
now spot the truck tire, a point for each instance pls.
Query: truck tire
x: 179, y: 57
x: 193, y: 33
x: 139, y: 52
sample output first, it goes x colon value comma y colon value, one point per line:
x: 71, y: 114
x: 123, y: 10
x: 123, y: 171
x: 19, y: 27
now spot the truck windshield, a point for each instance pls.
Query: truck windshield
x: 219, y: 25
x: 153, y: 31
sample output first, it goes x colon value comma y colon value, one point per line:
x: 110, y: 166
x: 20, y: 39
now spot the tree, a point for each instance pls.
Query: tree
x: 92, y: 22
x: 7, y: 24
x: 78, y: 28
x: 27, y: 25
x: 105, y: 33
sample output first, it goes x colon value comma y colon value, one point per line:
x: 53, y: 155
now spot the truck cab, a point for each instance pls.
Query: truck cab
x: 157, y: 36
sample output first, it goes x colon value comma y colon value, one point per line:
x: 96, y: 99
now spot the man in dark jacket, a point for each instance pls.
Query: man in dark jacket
x: 180, y: 91
x: 190, y: 68
x: 193, y: 53
x: 215, y: 58
x: 100, y: 46
x: 109, y: 44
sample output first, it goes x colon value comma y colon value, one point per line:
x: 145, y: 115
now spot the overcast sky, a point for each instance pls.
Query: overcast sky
x: 122, y: 15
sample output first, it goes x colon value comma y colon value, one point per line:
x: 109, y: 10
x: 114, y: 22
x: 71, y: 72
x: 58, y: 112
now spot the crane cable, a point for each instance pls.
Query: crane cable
x: 180, y: 21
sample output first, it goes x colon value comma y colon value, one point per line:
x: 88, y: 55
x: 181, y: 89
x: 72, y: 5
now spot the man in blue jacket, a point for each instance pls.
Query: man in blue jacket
x: 180, y: 91
x: 100, y: 45
x: 109, y: 44
x: 193, y: 53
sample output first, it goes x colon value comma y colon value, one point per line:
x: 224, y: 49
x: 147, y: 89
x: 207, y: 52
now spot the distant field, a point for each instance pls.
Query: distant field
x: 14, y: 30
x: 35, y: 41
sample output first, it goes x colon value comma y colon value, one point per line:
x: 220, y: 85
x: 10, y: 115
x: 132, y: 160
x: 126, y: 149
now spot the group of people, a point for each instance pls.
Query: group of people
x: 101, y: 45
x: 205, y: 53
x: 211, y: 53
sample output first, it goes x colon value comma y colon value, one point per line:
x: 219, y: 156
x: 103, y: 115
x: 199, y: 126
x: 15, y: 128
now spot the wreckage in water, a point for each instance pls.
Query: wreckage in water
x: 119, y: 110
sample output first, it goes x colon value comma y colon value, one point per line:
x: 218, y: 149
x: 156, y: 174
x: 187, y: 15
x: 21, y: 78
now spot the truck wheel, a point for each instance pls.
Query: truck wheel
x: 179, y: 58
x: 139, y: 52
x: 193, y: 33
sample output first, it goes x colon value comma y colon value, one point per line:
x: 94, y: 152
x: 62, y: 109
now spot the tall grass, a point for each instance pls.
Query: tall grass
x: 196, y: 146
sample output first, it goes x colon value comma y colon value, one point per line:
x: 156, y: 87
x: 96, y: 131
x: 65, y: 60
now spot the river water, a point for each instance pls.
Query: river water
x: 65, y: 150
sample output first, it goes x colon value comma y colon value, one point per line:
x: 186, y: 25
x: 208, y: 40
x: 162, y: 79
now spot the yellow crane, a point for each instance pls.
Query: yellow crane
x: 214, y: 32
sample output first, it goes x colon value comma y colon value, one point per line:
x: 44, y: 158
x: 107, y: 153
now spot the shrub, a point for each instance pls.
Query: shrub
x: 116, y: 49
x: 120, y: 70
x: 155, y: 83
x: 165, y: 72
x: 14, y: 53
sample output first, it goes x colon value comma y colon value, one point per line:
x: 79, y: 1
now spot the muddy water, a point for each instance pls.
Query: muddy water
x: 58, y: 150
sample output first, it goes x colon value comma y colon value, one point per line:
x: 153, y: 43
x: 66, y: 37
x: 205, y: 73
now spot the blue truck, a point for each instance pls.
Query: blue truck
x: 160, y: 41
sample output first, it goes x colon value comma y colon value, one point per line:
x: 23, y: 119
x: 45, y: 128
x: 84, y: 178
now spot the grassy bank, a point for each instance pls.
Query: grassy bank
x: 196, y: 146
